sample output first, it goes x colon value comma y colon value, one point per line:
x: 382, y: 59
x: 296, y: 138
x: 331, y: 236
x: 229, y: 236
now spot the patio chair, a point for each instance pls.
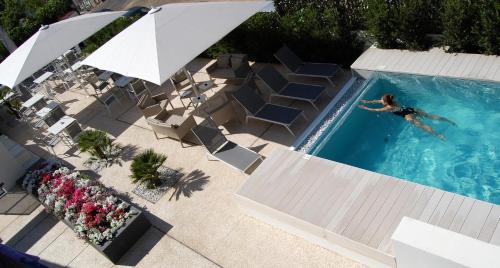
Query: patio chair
x: 171, y: 125
x: 97, y: 85
x: 233, y: 67
x: 281, y: 87
x: 256, y: 108
x: 107, y: 100
x: 153, y: 105
x: 295, y: 66
x: 222, y: 149
x: 137, y: 88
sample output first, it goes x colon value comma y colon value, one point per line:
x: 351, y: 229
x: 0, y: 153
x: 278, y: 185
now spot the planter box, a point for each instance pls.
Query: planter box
x: 125, y: 237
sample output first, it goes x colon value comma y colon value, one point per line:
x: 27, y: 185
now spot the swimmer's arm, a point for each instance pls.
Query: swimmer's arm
x: 384, y: 109
x: 371, y: 101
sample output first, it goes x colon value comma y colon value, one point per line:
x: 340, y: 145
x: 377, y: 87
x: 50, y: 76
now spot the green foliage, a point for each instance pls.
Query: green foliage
x: 95, y: 142
x: 415, y: 22
x: 106, y: 33
x: 489, y: 40
x: 461, y: 25
x: 381, y: 19
x: 21, y: 19
x: 315, y: 34
x: 4, y: 53
x: 145, y: 166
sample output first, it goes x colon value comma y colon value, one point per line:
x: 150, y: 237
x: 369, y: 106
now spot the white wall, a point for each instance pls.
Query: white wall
x: 10, y: 169
x: 418, y: 244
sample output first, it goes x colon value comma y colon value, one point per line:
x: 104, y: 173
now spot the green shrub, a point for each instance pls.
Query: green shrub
x: 95, y: 142
x: 489, y: 40
x: 461, y: 25
x: 415, y: 22
x: 145, y: 166
x: 105, y: 34
x: 382, y: 22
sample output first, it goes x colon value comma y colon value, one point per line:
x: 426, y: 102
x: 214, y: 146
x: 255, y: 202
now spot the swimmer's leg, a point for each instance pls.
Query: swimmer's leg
x: 434, y: 117
x: 412, y: 119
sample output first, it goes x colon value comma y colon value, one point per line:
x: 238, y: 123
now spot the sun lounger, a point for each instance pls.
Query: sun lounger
x: 257, y: 108
x: 296, y: 66
x: 220, y: 148
x: 281, y: 87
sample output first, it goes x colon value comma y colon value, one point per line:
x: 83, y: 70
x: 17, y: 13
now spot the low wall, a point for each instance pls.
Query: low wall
x: 418, y: 244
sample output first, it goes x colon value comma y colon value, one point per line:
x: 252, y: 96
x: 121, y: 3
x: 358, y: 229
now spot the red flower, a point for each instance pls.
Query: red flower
x: 46, y: 178
x: 88, y: 207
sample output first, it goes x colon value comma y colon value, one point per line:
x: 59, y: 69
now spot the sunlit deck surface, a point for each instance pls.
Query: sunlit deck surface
x: 354, y: 208
x: 434, y: 62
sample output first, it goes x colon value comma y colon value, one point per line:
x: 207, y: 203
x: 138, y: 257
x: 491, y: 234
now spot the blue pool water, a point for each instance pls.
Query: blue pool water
x: 467, y: 163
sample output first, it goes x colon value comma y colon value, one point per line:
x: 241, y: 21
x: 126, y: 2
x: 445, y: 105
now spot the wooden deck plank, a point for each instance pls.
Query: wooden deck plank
x: 495, y: 66
x: 452, y: 210
x: 476, y: 219
x: 306, y: 193
x: 435, y: 61
x: 462, y: 214
x: 486, y: 63
x: 383, y: 229
x: 347, y: 202
x: 422, y: 203
x: 333, y: 210
x: 464, y: 64
x: 328, y: 195
x: 369, y: 211
x: 368, y: 233
x: 431, y: 205
x: 350, y: 221
x: 441, y: 208
x: 490, y: 225
x: 475, y: 66
x: 386, y: 245
x: 495, y: 238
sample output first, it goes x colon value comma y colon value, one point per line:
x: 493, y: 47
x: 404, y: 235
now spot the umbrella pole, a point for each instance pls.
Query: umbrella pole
x: 192, y: 82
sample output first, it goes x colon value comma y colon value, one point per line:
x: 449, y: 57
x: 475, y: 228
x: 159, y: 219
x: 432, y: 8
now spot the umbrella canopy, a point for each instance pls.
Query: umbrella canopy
x: 50, y: 42
x: 168, y: 37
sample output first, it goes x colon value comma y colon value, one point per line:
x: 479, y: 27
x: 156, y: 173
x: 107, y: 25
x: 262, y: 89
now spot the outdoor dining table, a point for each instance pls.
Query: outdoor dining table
x: 105, y: 76
x: 47, y: 110
x: 74, y: 70
x: 61, y: 125
x: 33, y: 101
x: 124, y: 82
x: 42, y: 78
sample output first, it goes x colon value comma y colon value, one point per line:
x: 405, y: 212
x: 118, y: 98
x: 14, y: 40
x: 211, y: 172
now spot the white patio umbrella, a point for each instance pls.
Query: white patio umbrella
x: 168, y: 37
x: 50, y: 42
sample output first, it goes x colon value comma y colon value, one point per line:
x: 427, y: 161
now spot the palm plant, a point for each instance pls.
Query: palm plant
x: 145, y: 168
x: 95, y: 142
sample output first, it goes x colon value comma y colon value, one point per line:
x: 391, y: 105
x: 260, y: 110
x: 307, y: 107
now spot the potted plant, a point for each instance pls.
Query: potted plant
x: 145, y: 168
x: 101, y: 148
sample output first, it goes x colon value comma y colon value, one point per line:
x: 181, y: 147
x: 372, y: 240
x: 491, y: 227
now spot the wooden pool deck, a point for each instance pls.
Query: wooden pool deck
x: 345, y: 208
x: 434, y: 62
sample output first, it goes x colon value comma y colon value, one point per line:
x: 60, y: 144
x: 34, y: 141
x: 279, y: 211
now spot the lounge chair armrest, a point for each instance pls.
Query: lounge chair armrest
x: 152, y: 110
x: 212, y: 67
x: 186, y: 126
x: 160, y: 97
x: 243, y: 70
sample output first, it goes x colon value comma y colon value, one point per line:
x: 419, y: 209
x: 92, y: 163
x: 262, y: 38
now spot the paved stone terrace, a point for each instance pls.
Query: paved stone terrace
x: 197, y: 224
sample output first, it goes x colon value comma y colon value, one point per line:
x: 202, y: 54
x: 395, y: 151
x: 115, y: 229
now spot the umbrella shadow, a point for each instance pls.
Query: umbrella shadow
x: 192, y: 182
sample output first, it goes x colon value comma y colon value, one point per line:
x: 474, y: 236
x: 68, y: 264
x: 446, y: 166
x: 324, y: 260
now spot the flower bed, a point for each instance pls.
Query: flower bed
x: 84, y: 204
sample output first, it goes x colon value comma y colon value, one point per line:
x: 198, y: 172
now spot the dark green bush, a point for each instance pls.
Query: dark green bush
x: 314, y: 34
x: 382, y: 22
x: 415, y: 22
x: 461, y: 25
x: 489, y: 40
x: 106, y: 33
x: 145, y: 166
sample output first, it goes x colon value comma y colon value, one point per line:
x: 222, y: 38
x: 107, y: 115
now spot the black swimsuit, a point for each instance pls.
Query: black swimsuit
x: 405, y: 111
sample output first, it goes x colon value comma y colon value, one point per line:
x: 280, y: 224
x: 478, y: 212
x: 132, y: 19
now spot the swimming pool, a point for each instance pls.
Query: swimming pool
x: 467, y: 163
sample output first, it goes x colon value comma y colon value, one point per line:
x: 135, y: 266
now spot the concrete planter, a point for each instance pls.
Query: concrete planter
x: 125, y: 237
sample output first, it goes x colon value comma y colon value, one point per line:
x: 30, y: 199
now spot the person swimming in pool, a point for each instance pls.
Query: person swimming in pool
x: 410, y: 114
